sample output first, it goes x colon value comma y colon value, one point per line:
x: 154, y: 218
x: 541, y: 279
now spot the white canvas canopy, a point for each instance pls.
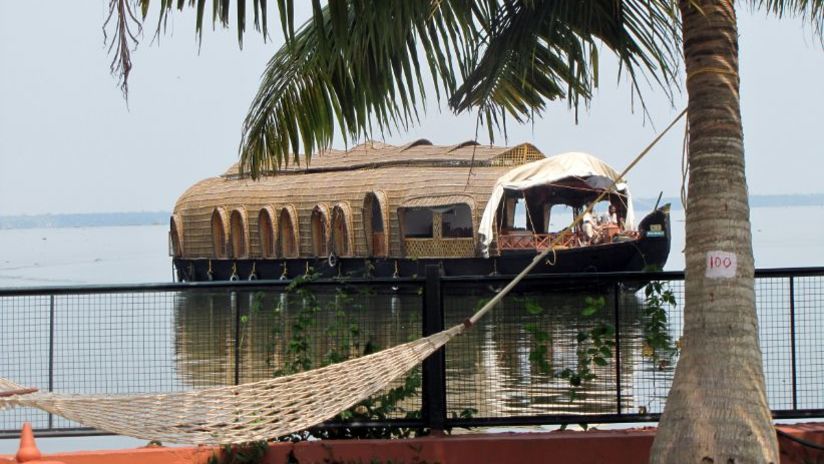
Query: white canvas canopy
x: 586, y: 167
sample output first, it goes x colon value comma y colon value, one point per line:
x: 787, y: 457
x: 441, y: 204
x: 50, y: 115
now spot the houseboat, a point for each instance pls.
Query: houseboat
x: 381, y: 210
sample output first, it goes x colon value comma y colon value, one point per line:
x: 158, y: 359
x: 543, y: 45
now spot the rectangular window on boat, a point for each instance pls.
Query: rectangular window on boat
x: 457, y: 222
x: 417, y: 222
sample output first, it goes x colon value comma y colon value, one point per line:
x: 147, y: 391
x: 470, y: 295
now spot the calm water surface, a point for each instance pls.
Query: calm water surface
x: 138, y: 254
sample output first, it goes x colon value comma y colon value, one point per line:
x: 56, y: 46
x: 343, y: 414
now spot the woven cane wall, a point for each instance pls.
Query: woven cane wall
x: 440, y: 247
x: 305, y: 191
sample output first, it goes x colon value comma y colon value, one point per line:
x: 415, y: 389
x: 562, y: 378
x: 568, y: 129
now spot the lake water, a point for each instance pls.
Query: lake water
x: 188, y: 336
x: 782, y: 237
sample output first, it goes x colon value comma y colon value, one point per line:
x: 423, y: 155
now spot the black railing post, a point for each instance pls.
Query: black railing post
x: 792, y: 343
x: 51, y: 353
x: 236, y: 309
x: 433, y: 401
x: 616, y: 293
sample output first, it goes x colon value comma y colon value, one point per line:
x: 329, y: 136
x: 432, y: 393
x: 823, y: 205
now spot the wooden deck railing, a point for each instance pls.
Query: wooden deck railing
x: 530, y: 241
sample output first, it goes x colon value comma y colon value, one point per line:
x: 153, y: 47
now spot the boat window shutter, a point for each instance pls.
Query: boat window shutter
x: 375, y: 223
x: 288, y: 234
x: 219, y: 233
x: 320, y: 230
x: 341, y: 230
x: 239, y: 233
x: 267, y: 225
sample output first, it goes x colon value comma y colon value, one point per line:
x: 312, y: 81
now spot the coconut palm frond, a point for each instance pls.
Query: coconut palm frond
x: 126, y: 30
x: 125, y: 26
x: 221, y: 11
x: 525, y: 62
x: 540, y: 51
x: 352, y: 65
x: 811, y: 11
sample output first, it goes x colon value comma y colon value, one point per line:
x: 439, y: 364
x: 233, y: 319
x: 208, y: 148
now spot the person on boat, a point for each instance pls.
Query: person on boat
x: 609, y: 225
x: 613, y: 215
x: 588, y: 228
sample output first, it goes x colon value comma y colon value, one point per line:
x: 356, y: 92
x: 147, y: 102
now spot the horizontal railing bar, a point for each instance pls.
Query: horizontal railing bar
x: 183, y: 286
x: 636, y: 275
x: 84, y: 431
x: 575, y: 276
x: 797, y: 413
x: 58, y: 433
x: 551, y: 420
x: 246, y: 284
x: 790, y: 271
x: 407, y: 423
x: 457, y: 422
x: 601, y: 418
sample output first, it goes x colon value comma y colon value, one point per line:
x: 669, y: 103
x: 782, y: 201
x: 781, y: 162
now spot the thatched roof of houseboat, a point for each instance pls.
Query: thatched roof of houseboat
x: 420, y: 152
x: 339, y: 182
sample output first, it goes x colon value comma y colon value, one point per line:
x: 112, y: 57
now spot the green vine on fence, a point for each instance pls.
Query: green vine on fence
x: 594, y: 346
x: 658, y: 344
x: 347, y: 341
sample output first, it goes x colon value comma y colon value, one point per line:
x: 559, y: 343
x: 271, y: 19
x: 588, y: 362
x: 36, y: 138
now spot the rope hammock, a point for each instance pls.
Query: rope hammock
x: 260, y: 410
x: 237, y: 414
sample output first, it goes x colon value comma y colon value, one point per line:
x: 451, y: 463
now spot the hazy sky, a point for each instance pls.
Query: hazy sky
x: 68, y: 142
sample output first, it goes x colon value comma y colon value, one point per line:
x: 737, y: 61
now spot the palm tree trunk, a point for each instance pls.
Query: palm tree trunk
x: 717, y: 409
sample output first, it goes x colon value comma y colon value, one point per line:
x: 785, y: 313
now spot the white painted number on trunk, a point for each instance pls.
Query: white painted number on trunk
x: 721, y: 265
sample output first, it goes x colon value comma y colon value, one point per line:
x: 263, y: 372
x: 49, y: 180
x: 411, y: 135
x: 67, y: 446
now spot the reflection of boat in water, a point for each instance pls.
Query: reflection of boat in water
x: 222, y: 336
x: 487, y: 369
x: 382, y: 210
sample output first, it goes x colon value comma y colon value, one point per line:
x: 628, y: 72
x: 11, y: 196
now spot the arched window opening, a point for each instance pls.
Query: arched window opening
x: 288, y: 236
x: 266, y: 232
x: 437, y: 226
x: 341, y: 221
x: 375, y: 225
x: 219, y: 244
x: 320, y: 231
x: 175, y: 236
x: 518, y: 214
x: 239, y: 233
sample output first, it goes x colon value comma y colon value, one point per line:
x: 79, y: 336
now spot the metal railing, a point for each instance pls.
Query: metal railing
x: 174, y: 337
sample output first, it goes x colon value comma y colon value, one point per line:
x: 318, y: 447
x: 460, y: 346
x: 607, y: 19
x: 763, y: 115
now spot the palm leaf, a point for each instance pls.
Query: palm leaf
x: 811, y: 11
x: 541, y: 51
x: 354, y: 65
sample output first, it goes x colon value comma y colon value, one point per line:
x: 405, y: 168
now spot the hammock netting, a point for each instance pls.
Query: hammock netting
x: 242, y: 413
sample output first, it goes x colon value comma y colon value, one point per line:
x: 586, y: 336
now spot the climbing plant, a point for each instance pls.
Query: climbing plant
x: 345, y: 340
x: 658, y: 343
x: 595, y: 345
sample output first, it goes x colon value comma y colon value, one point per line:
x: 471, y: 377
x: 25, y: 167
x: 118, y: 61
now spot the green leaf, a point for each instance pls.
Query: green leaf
x: 533, y: 308
x: 589, y: 310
